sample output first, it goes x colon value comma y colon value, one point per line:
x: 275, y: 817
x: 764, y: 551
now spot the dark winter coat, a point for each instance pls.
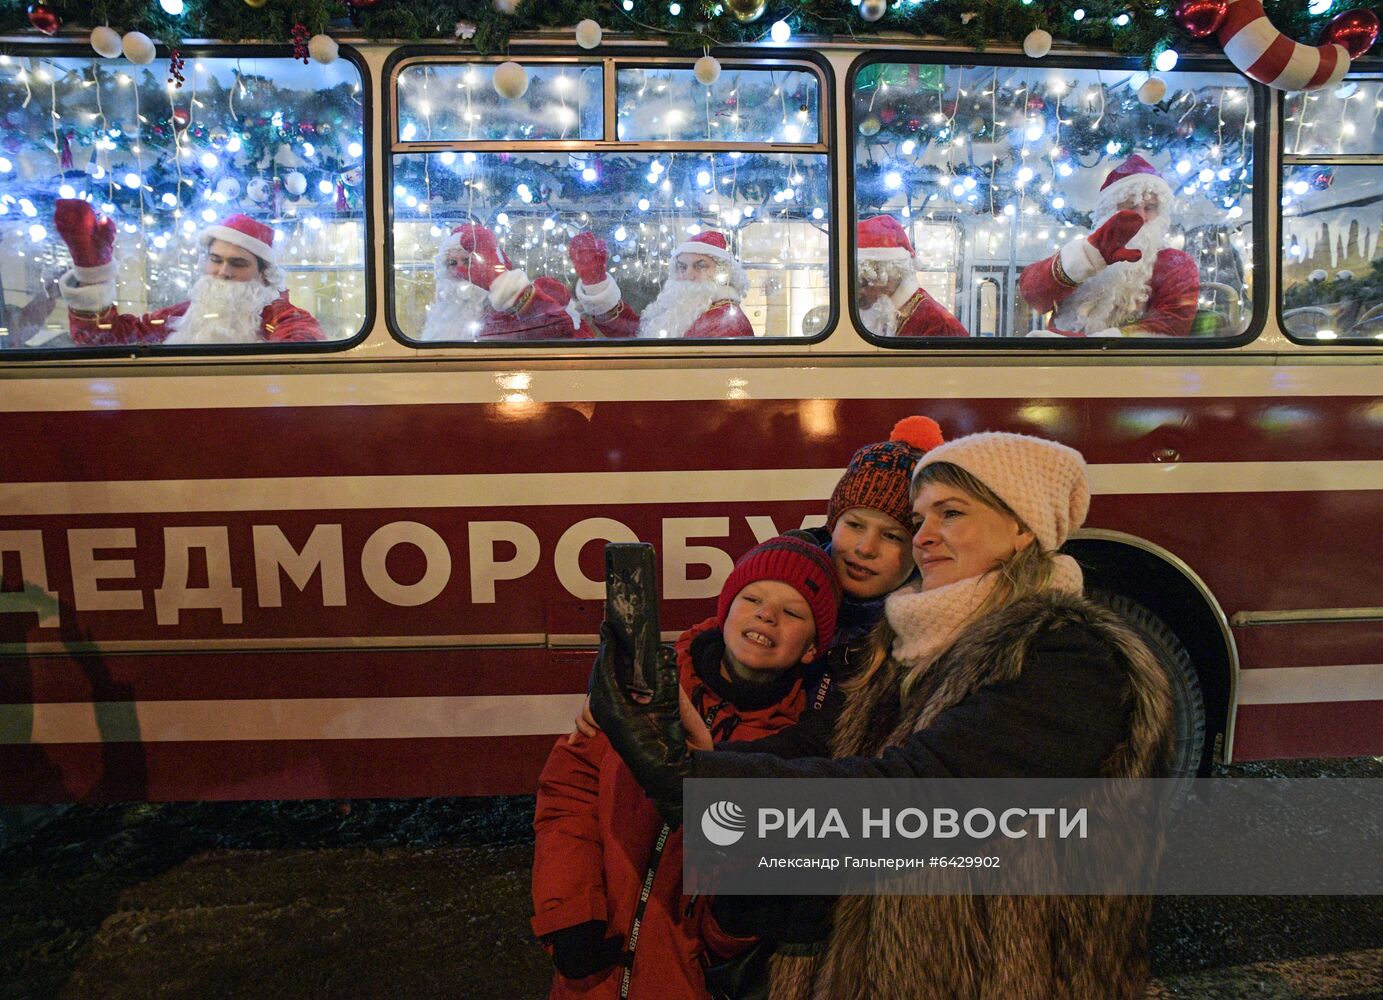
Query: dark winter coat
x: 1047, y: 687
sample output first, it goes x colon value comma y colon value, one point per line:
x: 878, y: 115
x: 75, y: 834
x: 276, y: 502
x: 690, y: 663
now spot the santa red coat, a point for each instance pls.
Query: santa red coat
x: 281, y: 322
x: 596, y: 831
x: 923, y: 316
x: 1174, y: 295
x: 537, y: 310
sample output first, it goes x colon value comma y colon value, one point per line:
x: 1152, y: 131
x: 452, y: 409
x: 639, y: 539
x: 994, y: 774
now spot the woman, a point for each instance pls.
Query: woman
x: 992, y: 666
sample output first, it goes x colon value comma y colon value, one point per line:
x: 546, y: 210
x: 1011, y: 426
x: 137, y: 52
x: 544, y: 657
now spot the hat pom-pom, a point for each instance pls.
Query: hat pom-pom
x: 922, y: 433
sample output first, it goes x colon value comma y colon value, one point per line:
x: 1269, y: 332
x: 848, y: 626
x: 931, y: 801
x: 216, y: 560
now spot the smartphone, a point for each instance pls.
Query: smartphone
x: 631, y: 608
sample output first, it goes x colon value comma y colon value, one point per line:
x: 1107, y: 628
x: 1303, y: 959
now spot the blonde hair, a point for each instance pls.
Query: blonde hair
x: 1027, y: 572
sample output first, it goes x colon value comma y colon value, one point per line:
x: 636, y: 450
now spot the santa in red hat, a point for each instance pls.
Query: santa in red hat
x: 892, y: 303
x: 480, y: 295
x: 701, y: 297
x: 1122, y: 280
x: 239, y: 298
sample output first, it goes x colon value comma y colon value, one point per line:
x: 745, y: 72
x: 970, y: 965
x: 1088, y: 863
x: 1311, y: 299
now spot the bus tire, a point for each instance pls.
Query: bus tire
x: 1188, y: 703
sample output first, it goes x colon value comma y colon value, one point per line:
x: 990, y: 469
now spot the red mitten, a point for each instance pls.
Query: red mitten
x: 486, y: 262
x: 1111, y: 239
x: 89, y: 239
x: 588, y: 254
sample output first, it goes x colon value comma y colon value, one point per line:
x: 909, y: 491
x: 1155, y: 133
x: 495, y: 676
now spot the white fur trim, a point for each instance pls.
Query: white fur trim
x: 1109, y: 331
x: 97, y: 274
x: 1081, y: 261
x: 1108, y: 199
x: 507, y: 288
x: 705, y: 249
x: 1046, y: 333
x: 883, y: 253
x: 259, y: 248
x: 574, y: 313
x: 906, y: 289
x: 83, y: 297
x: 600, y: 298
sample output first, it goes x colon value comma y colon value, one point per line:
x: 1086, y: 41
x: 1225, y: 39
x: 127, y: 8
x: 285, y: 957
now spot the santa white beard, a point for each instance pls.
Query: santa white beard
x: 458, y: 312
x: 680, y: 304
x: 1118, y: 294
x: 222, y: 312
x: 881, y: 318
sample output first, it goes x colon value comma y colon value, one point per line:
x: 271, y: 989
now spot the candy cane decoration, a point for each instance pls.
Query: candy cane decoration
x: 1262, y: 53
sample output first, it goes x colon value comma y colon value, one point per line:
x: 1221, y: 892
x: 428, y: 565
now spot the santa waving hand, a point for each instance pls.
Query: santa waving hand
x: 1122, y: 280
x: 701, y: 297
x: 238, y: 299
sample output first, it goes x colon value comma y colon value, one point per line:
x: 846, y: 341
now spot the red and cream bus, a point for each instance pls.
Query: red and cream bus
x: 371, y: 565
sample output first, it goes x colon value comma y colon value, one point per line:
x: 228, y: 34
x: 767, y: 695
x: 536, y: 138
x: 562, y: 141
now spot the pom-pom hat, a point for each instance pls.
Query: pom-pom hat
x: 879, y: 476
x: 803, y: 566
x: 244, y: 232
x: 1043, y: 482
x: 709, y: 243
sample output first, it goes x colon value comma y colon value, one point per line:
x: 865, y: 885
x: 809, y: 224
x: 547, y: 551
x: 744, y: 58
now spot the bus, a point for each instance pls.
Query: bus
x: 369, y: 562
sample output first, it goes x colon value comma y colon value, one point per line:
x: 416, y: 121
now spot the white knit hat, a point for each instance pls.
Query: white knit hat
x: 1044, y: 483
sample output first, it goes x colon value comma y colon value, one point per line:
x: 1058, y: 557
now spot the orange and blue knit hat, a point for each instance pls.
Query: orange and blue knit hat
x: 879, y: 476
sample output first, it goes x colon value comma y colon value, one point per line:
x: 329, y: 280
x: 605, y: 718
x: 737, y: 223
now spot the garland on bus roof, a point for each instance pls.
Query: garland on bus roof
x: 1134, y: 27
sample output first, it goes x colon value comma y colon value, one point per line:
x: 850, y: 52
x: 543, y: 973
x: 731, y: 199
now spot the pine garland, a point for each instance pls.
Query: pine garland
x: 976, y: 23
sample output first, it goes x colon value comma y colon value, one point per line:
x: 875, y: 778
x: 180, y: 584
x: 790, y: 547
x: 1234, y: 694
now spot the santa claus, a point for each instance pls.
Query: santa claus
x: 482, y: 296
x: 238, y: 299
x: 701, y: 297
x: 892, y: 303
x: 1122, y: 280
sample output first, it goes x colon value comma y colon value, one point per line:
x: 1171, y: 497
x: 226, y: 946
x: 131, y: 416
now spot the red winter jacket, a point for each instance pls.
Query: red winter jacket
x: 595, y: 835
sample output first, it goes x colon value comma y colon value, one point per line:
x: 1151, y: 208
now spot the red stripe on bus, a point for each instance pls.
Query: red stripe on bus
x: 1321, y: 729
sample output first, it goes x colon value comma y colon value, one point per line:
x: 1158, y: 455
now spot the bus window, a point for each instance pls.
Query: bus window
x: 639, y: 236
x: 1105, y: 215
x: 127, y: 199
x: 1332, y: 271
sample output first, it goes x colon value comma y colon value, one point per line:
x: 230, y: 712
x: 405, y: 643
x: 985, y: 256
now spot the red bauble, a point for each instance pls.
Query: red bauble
x: 182, y: 116
x: 44, y: 18
x: 1356, y: 30
x: 887, y: 115
x: 914, y: 124
x: 1201, y: 18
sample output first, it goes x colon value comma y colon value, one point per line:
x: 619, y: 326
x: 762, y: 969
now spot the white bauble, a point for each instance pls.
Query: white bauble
x: 259, y: 190
x: 588, y: 34
x: 138, y: 48
x: 872, y: 10
x: 707, y: 70
x: 506, y: 6
x: 295, y: 183
x: 323, y: 48
x: 511, y: 80
x: 1344, y: 274
x: 1037, y: 44
x: 228, y: 188
x: 106, y: 42
x: 1317, y: 275
x: 1152, y: 91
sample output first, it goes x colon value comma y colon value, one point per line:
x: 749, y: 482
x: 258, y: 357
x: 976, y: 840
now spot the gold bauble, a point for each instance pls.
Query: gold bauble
x: 256, y: 4
x: 746, y: 10
x: 870, y: 125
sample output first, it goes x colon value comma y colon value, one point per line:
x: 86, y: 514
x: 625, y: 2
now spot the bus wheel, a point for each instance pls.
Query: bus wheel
x: 1188, y: 744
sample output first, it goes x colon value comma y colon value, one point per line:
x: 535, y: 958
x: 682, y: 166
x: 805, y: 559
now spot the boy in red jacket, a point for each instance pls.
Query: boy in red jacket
x: 601, y: 841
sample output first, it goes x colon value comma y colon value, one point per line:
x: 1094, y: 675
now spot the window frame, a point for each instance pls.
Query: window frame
x: 1371, y: 69
x: 259, y: 351
x: 633, y: 57
x: 1261, y: 302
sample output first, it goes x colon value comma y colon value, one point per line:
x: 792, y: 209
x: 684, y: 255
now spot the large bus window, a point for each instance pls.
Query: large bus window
x: 228, y: 210
x: 1055, y: 202
x: 524, y: 242
x: 448, y: 101
x: 1332, y: 271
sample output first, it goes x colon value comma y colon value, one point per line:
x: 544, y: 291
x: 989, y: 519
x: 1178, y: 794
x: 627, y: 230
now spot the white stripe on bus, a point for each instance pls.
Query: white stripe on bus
x: 607, y: 489
x: 912, y: 378
x: 1311, y: 685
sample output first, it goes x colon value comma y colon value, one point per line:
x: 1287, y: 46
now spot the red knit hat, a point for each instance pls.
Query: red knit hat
x: 879, y: 476
x: 709, y: 243
x: 882, y: 238
x: 245, y: 233
x: 804, y: 567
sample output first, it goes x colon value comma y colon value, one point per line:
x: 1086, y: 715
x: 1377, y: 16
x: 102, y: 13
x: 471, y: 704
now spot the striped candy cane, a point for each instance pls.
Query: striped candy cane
x: 1262, y: 53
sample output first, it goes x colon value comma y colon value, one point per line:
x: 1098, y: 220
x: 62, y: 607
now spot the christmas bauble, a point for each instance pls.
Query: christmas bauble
x: 106, y: 42
x: 1356, y: 30
x: 182, y: 116
x: 296, y: 183
x: 1037, y: 44
x: 1317, y: 275
x: 745, y: 11
x: 506, y: 6
x: 256, y: 4
x: 588, y: 34
x: 228, y: 188
x: 1152, y: 91
x: 707, y: 70
x: 511, y: 80
x: 44, y: 18
x: 323, y: 48
x: 872, y: 10
x: 1201, y: 18
x: 870, y: 125
x: 258, y: 190
x: 138, y: 48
